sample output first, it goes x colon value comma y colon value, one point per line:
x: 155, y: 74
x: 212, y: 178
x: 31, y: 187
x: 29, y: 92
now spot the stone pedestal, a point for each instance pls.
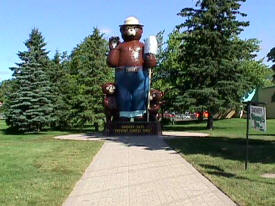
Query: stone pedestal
x: 133, y: 128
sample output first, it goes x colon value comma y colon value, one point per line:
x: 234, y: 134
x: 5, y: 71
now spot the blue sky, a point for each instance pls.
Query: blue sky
x: 65, y: 23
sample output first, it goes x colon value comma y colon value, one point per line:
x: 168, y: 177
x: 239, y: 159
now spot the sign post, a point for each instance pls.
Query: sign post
x: 257, y: 115
x: 247, y: 133
x: 258, y: 118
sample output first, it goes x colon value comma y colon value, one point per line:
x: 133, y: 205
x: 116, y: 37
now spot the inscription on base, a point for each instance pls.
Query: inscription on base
x: 121, y: 128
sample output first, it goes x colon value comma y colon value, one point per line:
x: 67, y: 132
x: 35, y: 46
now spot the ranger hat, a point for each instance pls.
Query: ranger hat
x: 131, y: 21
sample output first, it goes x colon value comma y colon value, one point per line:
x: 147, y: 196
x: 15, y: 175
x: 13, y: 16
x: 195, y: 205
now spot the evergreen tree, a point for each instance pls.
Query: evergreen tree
x: 58, y: 73
x: 2, y: 97
x: 1, y: 92
x: 5, y: 89
x: 89, y: 70
x: 271, y: 57
x: 212, y: 78
x: 29, y: 107
x: 66, y: 92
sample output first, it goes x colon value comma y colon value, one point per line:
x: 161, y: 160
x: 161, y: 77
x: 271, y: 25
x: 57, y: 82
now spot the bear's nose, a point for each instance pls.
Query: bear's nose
x: 131, y: 32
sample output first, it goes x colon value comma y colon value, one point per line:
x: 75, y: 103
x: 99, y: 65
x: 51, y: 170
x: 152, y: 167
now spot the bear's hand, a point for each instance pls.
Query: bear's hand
x: 114, y: 42
x: 150, y: 60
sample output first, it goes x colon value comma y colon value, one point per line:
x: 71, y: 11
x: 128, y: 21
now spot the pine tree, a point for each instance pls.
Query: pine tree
x: 5, y: 89
x: 211, y: 78
x: 2, y: 91
x: 90, y: 71
x: 29, y: 107
x: 58, y: 80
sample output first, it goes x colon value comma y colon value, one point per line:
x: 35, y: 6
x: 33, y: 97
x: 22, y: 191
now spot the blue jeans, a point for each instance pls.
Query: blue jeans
x: 132, y: 92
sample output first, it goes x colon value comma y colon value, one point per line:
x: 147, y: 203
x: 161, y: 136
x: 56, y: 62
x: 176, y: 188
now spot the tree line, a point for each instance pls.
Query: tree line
x: 203, y: 66
x: 63, y: 92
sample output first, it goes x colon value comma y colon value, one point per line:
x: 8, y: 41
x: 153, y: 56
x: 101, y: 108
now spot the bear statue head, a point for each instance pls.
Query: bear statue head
x: 156, y: 95
x: 108, y: 88
x: 131, y: 29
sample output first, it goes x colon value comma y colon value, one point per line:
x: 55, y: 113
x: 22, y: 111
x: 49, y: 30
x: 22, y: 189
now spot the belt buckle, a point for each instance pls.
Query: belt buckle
x: 131, y: 69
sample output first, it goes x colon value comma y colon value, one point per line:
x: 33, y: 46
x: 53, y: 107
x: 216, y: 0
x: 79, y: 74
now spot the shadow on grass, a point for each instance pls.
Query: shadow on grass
x: 262, y: 134
x: 10, y: 131
x: 260, y: 151
x: 211, y: 167
x: 186, y: 122
x: 183, y: 128
x: 217, y: 171
x: 77, y: 130
x: 189, y: 126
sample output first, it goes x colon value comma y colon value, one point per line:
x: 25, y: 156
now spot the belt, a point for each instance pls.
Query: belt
x: 129, y: 68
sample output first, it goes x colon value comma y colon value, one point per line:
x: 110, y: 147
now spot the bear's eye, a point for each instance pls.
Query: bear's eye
x: 129, y: 27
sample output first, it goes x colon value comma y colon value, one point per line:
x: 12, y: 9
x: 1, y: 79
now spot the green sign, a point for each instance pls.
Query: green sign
x: 258, y: 118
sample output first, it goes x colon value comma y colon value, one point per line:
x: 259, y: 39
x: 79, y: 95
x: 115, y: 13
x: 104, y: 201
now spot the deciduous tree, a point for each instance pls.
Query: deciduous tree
x: 168, y: 62
x: 271, y: 57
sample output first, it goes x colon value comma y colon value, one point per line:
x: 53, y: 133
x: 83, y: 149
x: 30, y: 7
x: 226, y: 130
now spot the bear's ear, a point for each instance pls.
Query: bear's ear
x: 103, y: 87
x: 123, y: 33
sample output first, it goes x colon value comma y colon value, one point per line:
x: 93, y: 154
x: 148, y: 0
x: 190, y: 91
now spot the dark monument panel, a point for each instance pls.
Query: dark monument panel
x: 135, y: 128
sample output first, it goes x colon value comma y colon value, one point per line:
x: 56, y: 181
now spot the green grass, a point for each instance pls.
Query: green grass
x: 221, y: 156
x: 36, y: 169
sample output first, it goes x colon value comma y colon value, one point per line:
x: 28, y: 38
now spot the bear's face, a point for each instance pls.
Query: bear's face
x: 156, y: 95
x: 131, y: 32
x: 109, y: 88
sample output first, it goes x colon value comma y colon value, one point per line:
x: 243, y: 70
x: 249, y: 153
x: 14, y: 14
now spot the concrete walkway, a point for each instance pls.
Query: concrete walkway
x: 141, y: 171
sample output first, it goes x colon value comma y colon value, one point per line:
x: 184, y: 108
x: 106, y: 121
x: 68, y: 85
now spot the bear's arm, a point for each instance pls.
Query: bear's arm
x: 113, y: 57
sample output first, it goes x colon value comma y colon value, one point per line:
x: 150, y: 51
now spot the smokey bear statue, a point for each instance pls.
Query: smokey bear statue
x: 131, y: 70
x: 156, y: 101
x: 109, y: 102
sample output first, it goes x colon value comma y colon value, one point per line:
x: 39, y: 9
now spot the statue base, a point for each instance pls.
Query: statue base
x: 133, y: 128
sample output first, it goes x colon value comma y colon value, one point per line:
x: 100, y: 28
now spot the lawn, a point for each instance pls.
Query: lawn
x: 36, y: 169
x: 220, y: 157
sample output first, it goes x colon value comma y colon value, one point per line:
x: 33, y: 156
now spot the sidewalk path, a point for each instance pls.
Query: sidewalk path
x: 141, y: 171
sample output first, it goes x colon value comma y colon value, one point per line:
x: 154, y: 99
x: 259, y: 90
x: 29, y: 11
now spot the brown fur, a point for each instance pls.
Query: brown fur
x: 109, y: 102
x: 155, y: 103
x: 122, y: 55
